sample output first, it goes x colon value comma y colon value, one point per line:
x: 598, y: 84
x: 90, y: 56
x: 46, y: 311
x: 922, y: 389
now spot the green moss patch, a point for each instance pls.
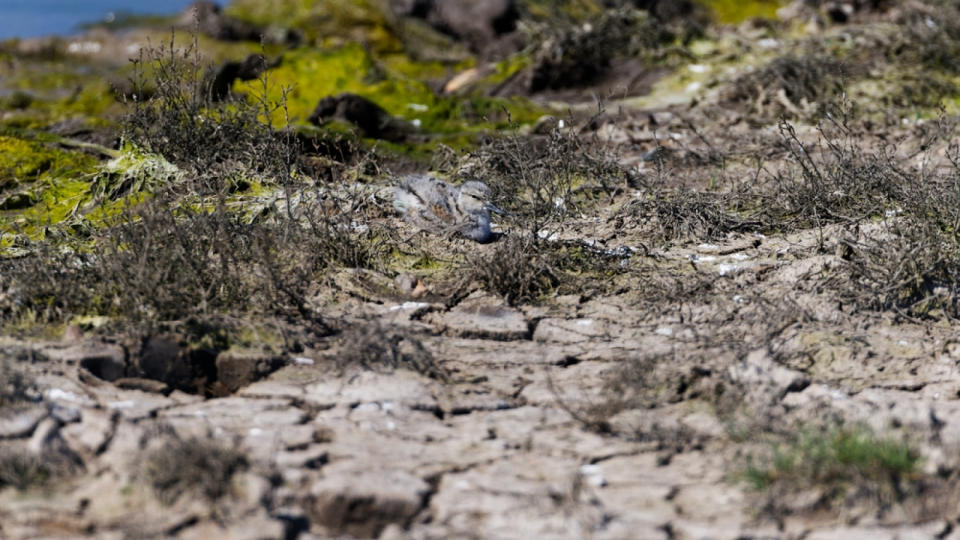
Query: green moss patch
x: 326, y: 21
x: 737, y: 11
x: 311, y: 75
x: 837, y: 457
x: 45, y: 186
x: 23, y: 161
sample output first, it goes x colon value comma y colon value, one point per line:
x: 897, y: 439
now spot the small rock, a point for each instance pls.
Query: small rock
x: 310, y: 458
x: 20, y: 422
x: 72, y: 334
x: 401, y: 388
x: 18, y: 201
x: 89, y: 437
x: 251, y: 68
x: 372, y: 119
x: 64, y: 414
x: 569, y: 331
x: 238, y: 368
x: 209, y: 19
x: 106, y: 361
x: 410, y: 285
x: 237, y: 414
x: 43, y: 436
x: 485, y: 317
x: 108, y: 368
x: 144, y: 385
x: 481, y: 25
x: 765, y: 379
x: 169, y: 359
x: 364, y: 502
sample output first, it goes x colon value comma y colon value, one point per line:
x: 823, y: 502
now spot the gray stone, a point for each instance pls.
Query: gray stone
x: 274, y: 389
x: 313, y: 457
x: 852, y: 533
x: 515, y: 497
x: 134, y: 404
x: 20, y: 421
x: 688, y: 529
x: 65, y: 415
x: 145, y: 385
x: 400, y: 388
x: 43, y: 436
x: 238, y: 368
x: 484, y: 317
x: 105, y: 361
x: 73, y: 395
x: 237, y: 415
x: 764, y: 380
x: 91, y: 435
x: 570, y: 330
x: 363, y: 502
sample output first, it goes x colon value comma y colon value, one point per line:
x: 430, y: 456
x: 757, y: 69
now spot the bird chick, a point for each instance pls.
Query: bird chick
x: 440, y: 208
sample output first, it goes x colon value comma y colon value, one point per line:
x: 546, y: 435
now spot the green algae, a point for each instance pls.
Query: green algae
x: 134, y: 171
x: 59, y: 199
x: 71, y: 191
x: 23, y: 161
x: 577, y: 10
x: 737, y: 11
x: 90, y: 102
x: 326, y: 22
x: 307, y: 75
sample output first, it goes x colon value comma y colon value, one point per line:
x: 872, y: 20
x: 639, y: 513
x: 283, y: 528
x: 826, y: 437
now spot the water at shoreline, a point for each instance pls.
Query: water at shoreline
x: 33, y: 18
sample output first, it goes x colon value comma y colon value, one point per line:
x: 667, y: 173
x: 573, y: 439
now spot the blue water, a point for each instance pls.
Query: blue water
x: 31, y: 18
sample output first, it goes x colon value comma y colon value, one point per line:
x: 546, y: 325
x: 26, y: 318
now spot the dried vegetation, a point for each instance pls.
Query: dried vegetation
x: 200, y: 467
x: 212, y: 219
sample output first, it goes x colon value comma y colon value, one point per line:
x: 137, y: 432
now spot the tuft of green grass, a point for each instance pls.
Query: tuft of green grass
x: 836, y: 457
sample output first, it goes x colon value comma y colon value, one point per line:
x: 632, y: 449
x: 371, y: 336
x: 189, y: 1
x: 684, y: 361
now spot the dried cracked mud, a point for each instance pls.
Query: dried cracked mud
x: 633, y: 407
x: 505, y: 447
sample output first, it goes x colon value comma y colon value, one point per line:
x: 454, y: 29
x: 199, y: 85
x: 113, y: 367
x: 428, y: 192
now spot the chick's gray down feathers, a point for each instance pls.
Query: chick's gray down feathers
x: 440, y: 208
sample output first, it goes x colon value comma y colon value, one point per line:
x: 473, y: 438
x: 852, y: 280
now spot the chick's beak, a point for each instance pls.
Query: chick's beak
x: 496, y: 210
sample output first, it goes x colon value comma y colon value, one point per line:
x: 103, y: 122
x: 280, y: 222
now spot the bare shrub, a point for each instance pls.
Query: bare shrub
x: 523, y: 271
x: 22, y: 469
x: 682, y: 214
x: 203, y: 467
x: 540, y: 180
x: 571, y: 54
x: 667, y: 211
x: 16, y: 385
x: 913, y: 270
x: 910, y: 264
x: 161, y: 263
x: 373, y: 346
x: 929, y: 36
x: 794, y: 86
x: 185, y: 122
x: 837, y: 179
x: 517, y: 269
x: 194, y: 250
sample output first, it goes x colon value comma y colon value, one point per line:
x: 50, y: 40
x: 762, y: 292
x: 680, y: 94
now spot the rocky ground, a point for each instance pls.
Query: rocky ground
x: 721, y: 305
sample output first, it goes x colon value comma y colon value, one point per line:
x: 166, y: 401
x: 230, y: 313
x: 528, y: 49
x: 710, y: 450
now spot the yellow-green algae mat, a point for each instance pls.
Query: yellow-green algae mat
x: 40, y: 186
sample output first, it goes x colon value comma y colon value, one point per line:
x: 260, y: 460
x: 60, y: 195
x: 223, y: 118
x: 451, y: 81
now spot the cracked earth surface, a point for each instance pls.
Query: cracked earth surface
x: 504, y: 448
